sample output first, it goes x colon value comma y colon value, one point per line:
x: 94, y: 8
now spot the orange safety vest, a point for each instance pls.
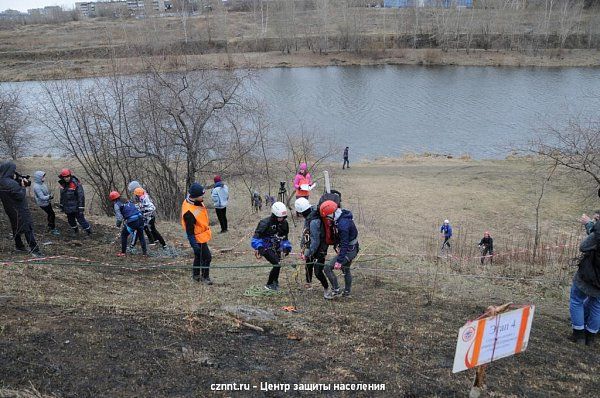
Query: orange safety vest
x: 299, y: 192
x: 201, y: 229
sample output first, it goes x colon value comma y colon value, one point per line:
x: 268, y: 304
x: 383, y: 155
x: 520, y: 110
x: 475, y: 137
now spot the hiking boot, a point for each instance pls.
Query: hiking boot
x: 119, y: 254
x: 152, y: 244
x: 272, y: 287
x: 88, y: 231
x: 336, y: 292
x: 36, y: 254
x: 589, y: 338
x: 196, y: 278
x: 346, y: 294
x: 206, y: 281
x: 579, y: 336
x: 328, y: 295
x: 55, y: 232
x: 21, y: 250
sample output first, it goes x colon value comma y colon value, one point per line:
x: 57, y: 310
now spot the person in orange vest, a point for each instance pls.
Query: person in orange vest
x: 194, y: 220
x: 302, y: 178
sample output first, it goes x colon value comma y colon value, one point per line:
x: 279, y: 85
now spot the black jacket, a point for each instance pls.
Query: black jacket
x: 14, y: 198
x: 72, y: 196
x: 487, y: 242
x: 270, y: 227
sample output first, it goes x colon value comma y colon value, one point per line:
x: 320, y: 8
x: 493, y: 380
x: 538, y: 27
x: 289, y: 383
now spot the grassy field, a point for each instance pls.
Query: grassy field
x: 72, y: 330
x: 277, y: 37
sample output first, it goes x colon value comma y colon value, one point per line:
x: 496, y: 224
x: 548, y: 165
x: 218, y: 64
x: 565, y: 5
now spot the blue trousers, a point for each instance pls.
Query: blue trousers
x: 585, y: 311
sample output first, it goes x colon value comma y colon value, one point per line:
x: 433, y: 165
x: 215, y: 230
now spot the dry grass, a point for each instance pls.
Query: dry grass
x: 400, y: 323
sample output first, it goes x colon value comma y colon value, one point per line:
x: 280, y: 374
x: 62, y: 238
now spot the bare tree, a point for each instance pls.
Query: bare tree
x: 13, y: 122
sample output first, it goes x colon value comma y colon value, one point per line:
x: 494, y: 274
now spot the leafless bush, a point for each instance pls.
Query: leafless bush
x: 166, y: 130
x: 13, y: 122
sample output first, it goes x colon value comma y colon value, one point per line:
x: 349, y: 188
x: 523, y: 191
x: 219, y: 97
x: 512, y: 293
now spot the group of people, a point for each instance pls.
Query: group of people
x: 14, y: 200
x: 486, y: 244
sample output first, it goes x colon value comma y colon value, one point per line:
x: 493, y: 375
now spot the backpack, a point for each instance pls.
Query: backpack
x: 331, y: 233
x: 129, y: 211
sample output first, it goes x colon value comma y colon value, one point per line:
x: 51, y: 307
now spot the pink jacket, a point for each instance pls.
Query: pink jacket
x: 301, y: 180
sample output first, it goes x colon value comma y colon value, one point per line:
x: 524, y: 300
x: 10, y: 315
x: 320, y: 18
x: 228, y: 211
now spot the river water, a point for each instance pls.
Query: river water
x: 391, y: 110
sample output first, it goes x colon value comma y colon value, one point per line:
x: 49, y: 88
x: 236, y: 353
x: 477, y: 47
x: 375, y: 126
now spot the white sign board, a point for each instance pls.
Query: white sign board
x: 485, y: 340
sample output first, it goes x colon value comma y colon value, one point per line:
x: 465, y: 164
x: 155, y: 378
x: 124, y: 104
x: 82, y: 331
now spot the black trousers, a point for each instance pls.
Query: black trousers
x: 152, y: 233
x: 136, y: 226
x: 202, y: 261
x: 318, y: 263
x: 26, y: 230
x: 487, y: 251
x: 51, y: 216
x: 222, y: 216
x: 274, y: 257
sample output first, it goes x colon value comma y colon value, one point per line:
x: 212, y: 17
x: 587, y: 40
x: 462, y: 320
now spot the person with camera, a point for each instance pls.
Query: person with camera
x: 72, y: 201
x: 43, y: 198
x: 302, y: 181
x: 194, y: 220
x: 270, y: 241
x: 14, y: 200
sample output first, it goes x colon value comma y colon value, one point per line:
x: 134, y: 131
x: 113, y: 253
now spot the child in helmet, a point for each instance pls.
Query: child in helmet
x: 486, y: 245
x: 270, y: 240
x: 348, y: 247
x: 146, y: 206
x: 312, y: 243
x: 128, y: 215
x: 446, y: 231
x: 72, y: 201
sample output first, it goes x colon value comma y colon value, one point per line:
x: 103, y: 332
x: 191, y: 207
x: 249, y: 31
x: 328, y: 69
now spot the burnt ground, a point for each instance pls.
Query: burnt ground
x: 86, y: 332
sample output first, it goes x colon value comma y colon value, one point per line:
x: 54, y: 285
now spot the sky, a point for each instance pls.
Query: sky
x: 24, y: 5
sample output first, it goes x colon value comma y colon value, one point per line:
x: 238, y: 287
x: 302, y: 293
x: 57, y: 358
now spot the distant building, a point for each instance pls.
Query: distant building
x: 12, y: 15
x: 86, y: 9
x: 428, y: 3
x: 133, y: 7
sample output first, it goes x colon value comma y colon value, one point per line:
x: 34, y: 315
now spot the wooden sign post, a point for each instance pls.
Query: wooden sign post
x: 500, y: 332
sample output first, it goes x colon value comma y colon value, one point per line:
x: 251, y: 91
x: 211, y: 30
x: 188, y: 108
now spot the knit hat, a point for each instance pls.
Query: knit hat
x: 196, y: 190
x: 303, y: 167
x: 217, y: 178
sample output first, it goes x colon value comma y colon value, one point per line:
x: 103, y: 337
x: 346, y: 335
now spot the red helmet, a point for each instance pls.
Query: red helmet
x: 65, y: 173
x: 114, y: 195
x: 327, y: 208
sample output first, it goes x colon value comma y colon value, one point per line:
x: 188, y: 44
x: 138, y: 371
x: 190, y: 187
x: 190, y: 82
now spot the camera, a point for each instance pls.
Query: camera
x: 282, y: 187
x: 23, y: 180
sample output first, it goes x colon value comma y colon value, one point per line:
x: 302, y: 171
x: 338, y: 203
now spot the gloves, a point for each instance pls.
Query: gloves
x: 261, y: 250
x: 337, y: 266
x: 286, y: 253
x: 51, y: 197
x: 119, y: 222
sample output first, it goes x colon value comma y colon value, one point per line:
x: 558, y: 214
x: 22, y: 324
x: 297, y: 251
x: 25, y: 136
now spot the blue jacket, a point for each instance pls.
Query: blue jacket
x: 446, y: 230
x: 348, y: 234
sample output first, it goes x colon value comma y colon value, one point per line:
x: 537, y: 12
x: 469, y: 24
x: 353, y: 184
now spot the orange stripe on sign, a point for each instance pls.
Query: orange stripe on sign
x: 524, y: 320
x: 478, y: 340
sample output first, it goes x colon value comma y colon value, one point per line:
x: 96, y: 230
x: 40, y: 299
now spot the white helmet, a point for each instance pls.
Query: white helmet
x: 446, y: 222
x: 301, y: 205
x: 279, y: 210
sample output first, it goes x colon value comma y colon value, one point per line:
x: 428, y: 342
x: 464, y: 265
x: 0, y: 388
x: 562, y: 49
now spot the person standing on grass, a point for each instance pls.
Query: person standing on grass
x: 146, y: 206
x: 270, y: 241
x: 43, y: 198
x: 584, y: 302
x: 72, y: 201
x: 194, y: 220
x: 131, y: 187
x: 486, y: 245
x: 346, y: 162
x: 220, y: 198
x: 312, y: 243
x: 14, y: 201
x: 348, y: 247
x: 130, y: 218
x: 303, y: 178
x: 446, y: 231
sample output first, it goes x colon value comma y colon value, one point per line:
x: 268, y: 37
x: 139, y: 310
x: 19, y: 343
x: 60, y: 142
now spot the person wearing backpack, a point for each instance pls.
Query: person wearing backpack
x: 130, y: 218
x: 348, y: 247
x: 584, y: 301
x: 220, y: 198
x: 72, y: 201
x: 194, y: 220
x: 486, y: 245
x: 43, y: 198
x: 270, y: 241
x: 131, y: 187
x: 303, y: 178
x: 312, y: 243
x: 146, y: 206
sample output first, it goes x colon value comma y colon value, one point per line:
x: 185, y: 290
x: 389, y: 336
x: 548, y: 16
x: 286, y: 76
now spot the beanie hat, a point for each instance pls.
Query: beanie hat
x: 303, y: 166
x: 196, y: 190
x: 217, y: 178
